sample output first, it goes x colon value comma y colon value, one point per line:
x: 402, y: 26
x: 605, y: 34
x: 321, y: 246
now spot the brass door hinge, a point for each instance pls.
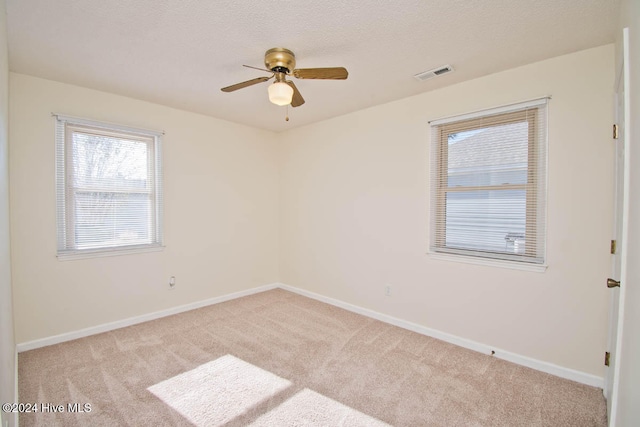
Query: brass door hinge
x: 615, y: 131
x: 607, y: 356
x: 613, y: 247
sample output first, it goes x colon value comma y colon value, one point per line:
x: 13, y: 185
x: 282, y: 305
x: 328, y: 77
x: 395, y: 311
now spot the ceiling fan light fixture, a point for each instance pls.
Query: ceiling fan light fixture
x: 281, y: 63
x: 280, y: 93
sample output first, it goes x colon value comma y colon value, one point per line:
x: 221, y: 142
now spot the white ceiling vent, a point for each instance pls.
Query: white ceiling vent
x: 425, y: 75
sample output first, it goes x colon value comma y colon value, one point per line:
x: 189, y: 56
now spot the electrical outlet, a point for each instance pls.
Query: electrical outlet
x: 387, y: 290
x: 172, y: 282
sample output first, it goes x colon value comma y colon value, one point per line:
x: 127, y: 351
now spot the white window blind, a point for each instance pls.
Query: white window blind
x: 488, y: 184
x: 109, y: 187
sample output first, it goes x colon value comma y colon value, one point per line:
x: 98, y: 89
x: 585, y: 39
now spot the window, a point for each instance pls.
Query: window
x: 488, y: 184
x: 109, y: 188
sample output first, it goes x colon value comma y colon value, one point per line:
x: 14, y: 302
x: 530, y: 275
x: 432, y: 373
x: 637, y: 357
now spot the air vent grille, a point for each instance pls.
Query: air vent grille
x: 425, y: 75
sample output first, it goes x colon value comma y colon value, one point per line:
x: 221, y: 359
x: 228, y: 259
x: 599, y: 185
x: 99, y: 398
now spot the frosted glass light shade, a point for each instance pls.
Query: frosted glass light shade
x: 280, y: 93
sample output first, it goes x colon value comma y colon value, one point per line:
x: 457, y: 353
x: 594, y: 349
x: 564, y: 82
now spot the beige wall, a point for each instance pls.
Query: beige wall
x: 629, y: 391
x: 221, y: 181
x: 354, y: 215
x: 7, y: 342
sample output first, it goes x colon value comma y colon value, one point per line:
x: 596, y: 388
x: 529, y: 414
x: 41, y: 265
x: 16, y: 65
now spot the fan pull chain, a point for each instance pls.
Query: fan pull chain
x: 286, y: 117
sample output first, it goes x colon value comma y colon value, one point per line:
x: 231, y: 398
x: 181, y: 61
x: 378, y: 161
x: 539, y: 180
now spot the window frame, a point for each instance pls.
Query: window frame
x: 535, y: 113
x: 66, y: 192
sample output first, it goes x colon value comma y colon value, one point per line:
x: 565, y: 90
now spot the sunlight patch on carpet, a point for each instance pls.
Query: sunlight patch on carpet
x: 218, y: 391
x: 308, y: 408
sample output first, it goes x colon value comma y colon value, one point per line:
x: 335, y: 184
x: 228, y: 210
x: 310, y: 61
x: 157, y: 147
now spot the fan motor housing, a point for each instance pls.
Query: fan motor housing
x: 279, y: 58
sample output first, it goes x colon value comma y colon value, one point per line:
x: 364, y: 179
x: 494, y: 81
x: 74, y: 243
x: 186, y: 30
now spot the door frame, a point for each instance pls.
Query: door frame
x: 612, y: 376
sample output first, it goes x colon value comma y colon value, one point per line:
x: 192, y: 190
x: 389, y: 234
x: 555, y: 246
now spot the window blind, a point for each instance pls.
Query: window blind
x: 488, y: 183
x: 109, y: 187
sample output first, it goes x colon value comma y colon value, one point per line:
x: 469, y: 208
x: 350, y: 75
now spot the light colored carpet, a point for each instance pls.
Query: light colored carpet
x: 280, y: 359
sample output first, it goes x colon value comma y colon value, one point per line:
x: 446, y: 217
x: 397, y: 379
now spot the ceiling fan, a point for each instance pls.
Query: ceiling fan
x: 281, y: 62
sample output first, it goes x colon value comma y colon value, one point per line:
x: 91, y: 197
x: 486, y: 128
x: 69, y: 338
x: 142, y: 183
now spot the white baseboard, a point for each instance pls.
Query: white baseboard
x: 68, y: 336
x: 549, y: 368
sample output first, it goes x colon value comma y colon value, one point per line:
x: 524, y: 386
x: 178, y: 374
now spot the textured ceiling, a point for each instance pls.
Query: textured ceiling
x: 181, y: 52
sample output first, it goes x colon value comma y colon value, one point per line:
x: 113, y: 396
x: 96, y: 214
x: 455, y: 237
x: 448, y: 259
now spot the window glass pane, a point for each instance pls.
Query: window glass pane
x: 483, y: 220
x: 493, y: 155
x: 106, y: 219
x: 101, y: 162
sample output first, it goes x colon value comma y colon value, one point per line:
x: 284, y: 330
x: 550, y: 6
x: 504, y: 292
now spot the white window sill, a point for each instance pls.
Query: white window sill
x: 70, y: 256
x: 514, y: 265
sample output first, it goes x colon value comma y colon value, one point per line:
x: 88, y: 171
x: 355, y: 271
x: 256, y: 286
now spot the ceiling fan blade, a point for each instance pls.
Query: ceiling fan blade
x: 245, y: 84
x: 335, y: 73
x: 256, y: 68
x: 297, y: 99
